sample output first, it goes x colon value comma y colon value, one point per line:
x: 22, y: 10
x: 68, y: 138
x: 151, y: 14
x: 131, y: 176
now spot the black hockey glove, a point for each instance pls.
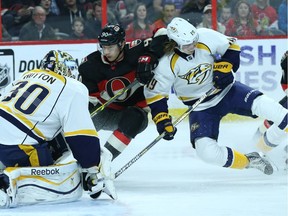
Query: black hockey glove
x: 284, y: 62
x: 144, y: 72
x: 222, y: 74
x: 164, y: 124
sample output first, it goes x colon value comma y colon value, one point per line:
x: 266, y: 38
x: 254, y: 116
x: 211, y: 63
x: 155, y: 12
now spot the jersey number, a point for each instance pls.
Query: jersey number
x: 151, y: 84
x: 30, y: 99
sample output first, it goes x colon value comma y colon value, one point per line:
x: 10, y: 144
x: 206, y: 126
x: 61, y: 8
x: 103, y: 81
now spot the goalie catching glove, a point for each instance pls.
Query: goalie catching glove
x: 222, y: 74
x: 146, y: 64
x: 99, y: 178
x: 164, y: 125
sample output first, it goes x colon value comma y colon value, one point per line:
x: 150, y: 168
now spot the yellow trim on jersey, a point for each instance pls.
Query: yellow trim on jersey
x: 32, y: 153
x: 154, y: 99
x: 185, y: 98
x: 173, y: 62
x: 28, y: 123
x: 240, y: 161
x: 235, y: 47
x: 48, y: 72
x: 90, y: 132
x: 203, y: 46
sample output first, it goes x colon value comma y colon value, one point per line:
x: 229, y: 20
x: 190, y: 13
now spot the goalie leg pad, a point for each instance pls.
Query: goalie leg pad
x: 51, y: 184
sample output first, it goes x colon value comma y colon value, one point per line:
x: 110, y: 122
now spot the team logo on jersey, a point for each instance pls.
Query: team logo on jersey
x: 134, y: 43
x: 198, y: 74
x: 4, y: 75
x: 194, y: 126
x: 116, y: 85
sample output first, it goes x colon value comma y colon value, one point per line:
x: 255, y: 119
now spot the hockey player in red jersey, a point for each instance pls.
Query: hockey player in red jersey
x: 112, y: 68
x: 189, y: 67
x: 41, y: 104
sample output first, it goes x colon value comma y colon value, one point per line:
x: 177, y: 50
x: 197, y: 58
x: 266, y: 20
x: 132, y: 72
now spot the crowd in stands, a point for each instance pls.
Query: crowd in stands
x: 27, y: 20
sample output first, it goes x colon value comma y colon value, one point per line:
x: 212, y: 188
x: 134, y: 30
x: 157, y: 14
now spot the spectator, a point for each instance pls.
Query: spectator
x: 193, y: 10
x: 78, y: 27
x: 125, y: 11
x: 54, y: 8
x: 51, y: 17
x: 207, y: 20
x: 18, y: 14
x: 140, y: 28
x: 225, y: 14
x: 36, y: 29
x: 5, y: 35
x: 68, y: 13
x: 169, y: 12
x: 151, y: 13
x: 158, y: 5
x: 94, y: 24
x: 242, y: 23
x: 265, y: 14
x: 282, y: 13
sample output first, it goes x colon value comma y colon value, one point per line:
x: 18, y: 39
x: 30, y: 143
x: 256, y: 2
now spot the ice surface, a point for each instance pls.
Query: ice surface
x: 169, y: 180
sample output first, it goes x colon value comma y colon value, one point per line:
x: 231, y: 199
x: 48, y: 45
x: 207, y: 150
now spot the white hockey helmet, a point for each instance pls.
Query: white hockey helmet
x: 182, y: 32
x: 59, y: 62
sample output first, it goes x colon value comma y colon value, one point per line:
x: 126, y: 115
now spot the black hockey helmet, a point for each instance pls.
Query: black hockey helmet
x: 111, y: 34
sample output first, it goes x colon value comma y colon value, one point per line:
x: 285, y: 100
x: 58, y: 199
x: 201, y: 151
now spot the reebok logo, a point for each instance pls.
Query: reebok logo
x: 54, y: 171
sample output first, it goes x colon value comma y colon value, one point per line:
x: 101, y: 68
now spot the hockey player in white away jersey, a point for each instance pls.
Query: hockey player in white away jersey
x: 189, y: 66
x: 40, y: 105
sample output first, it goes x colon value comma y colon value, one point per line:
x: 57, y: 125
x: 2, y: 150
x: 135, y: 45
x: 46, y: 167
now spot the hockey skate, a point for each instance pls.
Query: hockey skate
x: 260, y: 163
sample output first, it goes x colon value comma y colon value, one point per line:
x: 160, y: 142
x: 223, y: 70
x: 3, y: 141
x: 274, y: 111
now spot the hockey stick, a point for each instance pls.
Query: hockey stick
x: 176, y: 122
x: 115, y: 97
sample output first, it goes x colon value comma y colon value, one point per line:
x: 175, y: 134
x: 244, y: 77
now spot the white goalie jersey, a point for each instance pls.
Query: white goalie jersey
x: 190, y: 77
x: 40, y: 105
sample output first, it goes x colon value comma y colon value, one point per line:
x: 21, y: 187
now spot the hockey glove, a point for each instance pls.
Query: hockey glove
x: 98, y: 179
x: 222, y: 74
x: 164, y: 124
x: 284, y: 62
x: 144, y: 72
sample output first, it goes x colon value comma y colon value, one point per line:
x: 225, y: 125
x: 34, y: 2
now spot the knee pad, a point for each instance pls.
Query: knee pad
x: 134, y: 120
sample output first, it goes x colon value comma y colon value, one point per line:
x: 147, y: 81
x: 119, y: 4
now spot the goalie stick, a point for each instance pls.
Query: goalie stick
x: 157, y: 139
x: 115, y: 97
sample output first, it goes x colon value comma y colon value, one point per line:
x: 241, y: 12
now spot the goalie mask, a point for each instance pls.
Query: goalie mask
x: 59, y: 62
x: 183, y: 33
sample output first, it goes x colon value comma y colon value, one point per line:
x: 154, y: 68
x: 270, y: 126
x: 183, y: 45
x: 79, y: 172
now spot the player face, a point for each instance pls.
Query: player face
x: 111, y: 52
x: 188, y: 49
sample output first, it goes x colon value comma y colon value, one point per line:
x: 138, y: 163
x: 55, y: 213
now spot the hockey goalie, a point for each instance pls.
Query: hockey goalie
x: 43, y: 104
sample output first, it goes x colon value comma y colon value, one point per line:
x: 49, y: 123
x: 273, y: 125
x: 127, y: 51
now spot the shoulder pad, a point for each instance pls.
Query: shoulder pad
x: 160, y: 31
